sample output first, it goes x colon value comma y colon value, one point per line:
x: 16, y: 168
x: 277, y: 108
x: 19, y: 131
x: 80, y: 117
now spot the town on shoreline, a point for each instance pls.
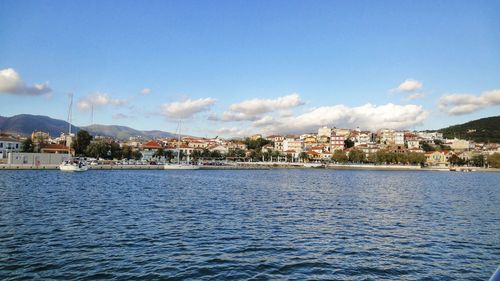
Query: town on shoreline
x: 328, y: 147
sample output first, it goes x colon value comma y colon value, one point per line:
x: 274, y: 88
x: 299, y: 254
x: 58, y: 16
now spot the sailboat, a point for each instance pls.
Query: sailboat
x: 179, y: 165
x: 72, y: 164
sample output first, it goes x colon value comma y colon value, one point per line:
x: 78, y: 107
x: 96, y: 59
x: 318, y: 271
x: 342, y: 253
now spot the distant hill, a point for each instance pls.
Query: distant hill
x: 25, y: 124
x: 481, y: 130
x: 123, y: 132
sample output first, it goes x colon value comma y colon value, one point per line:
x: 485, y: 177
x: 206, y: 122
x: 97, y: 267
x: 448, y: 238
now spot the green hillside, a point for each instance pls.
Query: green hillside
x: 481, y: 130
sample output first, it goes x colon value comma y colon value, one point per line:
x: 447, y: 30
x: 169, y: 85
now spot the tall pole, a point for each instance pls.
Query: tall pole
x: 179, y: 143
x: 70, y: 113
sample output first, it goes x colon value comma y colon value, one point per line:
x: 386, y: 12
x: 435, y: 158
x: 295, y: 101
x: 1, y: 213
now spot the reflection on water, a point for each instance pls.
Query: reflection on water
x: 275, y: 224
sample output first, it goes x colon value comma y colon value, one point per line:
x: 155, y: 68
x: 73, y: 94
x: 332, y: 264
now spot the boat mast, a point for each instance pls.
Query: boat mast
x: 179, y: 143
x: 70, y: 113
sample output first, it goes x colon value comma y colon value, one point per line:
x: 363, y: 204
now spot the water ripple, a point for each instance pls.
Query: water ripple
x: 248, y: 225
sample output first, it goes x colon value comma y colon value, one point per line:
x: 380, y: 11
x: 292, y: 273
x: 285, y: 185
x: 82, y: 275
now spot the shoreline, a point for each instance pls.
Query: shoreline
x: 264, y: 166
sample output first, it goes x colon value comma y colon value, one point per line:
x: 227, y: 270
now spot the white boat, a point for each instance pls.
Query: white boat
x: 172, y: 166
x: 72, y: 164
x: 313, y: 165
x: 179, y: 165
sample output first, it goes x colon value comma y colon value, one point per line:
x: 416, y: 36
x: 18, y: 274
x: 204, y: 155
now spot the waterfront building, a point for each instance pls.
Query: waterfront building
x: 293, y: 144
x: 36, y: 159
x: 438, y: 158
x: 8, y: 144
x: 149, y: 149
x: 56, y: 148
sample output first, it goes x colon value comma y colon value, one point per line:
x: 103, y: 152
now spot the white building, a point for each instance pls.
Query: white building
x: 324, y: 132
x: 293, y: 144
x: 7, y: 145
x: 458, y: 144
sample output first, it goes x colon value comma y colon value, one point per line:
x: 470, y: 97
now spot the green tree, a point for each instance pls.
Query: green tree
x: 196, y: 154
x: 98, y: 149
x: 339, y: 156
x: 348, y: 143
x: 416, y: 158
x: 136, y: 154
x: 116, y: 151
x: 82, y: 141
x: 127, y: 152
x: 216, y: 154
x: 27, y: 145
x: 205, y: 153
x: 494, y: 160
x: 169, y: 154
x: 477, y: 160
x: 357, y: 156
x: 427, y: 147
x: 304, y: 157
x: 159, y: 153
x: 456, y: 161
x: 256, y: 144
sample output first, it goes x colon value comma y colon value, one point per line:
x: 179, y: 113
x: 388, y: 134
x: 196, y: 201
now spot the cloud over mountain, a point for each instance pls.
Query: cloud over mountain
x: 187, y: 108
x: 99, y: 100
x: 367, y: 116
x: 11, y: 83
x: 459, y: 104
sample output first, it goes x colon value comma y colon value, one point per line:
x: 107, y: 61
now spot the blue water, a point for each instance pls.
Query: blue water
x: 260, y: 225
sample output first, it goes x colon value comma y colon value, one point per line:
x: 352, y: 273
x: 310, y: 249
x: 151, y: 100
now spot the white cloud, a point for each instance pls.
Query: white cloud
x: 11, y: 83
x: 409, y: 85
x: 233, y: 131
x: 459, y: 104
x: 187, y: 108
x: 120, y: 116
x: 145, y: 91
x: 238, y: 116
x: 98, y: 100
x: 415, y: 96
x: 367, y: 116
x: 264, y: 121
x: 250, y: 110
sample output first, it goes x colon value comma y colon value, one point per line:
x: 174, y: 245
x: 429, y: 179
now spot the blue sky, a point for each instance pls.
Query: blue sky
x: 239, y: 67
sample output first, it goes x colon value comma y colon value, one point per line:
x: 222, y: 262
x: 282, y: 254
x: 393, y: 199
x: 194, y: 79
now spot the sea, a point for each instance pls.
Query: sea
x: 278, y: 224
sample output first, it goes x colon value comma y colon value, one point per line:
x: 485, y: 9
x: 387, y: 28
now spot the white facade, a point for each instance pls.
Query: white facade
x: 293, y: 144
x: 324, y: 132
x: 9, y: 145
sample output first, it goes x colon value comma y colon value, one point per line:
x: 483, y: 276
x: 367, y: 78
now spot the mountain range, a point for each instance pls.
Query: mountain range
x: 25, y: 124
x: 481, y: 130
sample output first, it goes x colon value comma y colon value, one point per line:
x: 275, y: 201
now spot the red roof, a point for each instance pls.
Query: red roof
x: 152, y: 144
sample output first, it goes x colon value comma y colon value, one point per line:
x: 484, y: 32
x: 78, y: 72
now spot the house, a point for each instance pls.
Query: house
x: 220, y: 148
x: 56, y: 148
x: 149, y: 149
x: 438, y: 158
x: 8, y: 144
x: 313, y: 155
x: 324, y: 131
x: 293, y: 144
x: 337, y: 141
x: 268, y: 148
